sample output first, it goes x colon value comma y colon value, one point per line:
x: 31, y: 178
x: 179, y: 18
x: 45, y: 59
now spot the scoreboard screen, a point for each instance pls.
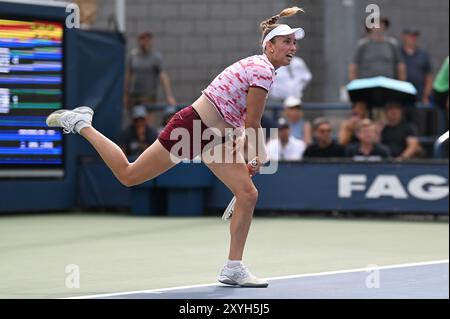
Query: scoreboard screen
x: 31, y: 87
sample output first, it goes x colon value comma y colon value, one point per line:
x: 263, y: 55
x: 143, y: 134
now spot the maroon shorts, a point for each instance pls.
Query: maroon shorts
x: 185, y: 119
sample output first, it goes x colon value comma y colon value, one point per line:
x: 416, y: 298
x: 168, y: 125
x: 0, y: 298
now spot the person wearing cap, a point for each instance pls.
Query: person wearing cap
x: 144, y: 70
x: 300, y: 128
x: 418, y: 65
x: 139, y: 135
x: 378, y: 55
x: 324, y: 146
x: 286, y: 147
x: 233, y: 102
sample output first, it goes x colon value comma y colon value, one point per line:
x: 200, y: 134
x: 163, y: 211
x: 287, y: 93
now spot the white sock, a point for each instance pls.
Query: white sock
x: 80, y: 125
x: 234, y: 263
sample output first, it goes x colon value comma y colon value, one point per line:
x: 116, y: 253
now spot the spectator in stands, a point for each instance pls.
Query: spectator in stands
x: 169, y: 112
x: 144, y: 70
x: 378, y: 55
x: 324, y: 145
x: 267, y: 123
x: 88, y: 13
x: 289, y: 81
x: 398, y: 135
x: 347, y: 130
x: 139, y: 135
x: 285, y: 147
x: 418, y: 69
x: 418, y: 65
x: 367, y: 148
x: 440, y: 86
x: 300, y: 128
x: 440, y: 95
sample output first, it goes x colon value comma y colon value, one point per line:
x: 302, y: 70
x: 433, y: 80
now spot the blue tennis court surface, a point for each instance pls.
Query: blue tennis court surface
x: 410, y: 281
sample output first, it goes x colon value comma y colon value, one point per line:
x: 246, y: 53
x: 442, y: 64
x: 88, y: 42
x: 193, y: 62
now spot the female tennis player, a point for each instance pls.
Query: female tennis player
x: 235, y: 99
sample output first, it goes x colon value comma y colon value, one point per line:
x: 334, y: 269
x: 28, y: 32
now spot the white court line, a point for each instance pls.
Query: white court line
x: 426, y: 263
x: 158, y: 291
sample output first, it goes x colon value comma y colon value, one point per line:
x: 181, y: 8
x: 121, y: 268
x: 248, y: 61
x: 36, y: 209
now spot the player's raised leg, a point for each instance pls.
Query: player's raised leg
x: 152, y: 162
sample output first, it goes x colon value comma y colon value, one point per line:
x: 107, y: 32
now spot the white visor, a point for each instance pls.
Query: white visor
x: 283, y: 29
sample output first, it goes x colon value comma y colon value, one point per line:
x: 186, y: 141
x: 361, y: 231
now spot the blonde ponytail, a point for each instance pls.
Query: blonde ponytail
x: 288, y: 12
x: 271, y: 23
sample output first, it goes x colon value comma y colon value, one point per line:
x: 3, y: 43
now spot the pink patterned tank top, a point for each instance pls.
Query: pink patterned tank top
x: 228, y: 91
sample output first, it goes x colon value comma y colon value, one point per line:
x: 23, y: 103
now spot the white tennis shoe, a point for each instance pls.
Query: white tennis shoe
x: 240, y: 276
x: 71, y: 120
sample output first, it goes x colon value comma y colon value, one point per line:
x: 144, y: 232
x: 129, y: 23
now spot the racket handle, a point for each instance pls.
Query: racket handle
x: 253, y: 163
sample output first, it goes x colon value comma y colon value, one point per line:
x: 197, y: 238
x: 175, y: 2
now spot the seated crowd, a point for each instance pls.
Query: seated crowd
x: 359, y: 137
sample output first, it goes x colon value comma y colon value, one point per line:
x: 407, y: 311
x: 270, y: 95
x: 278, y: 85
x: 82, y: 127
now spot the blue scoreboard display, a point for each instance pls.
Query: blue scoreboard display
x: 31, y: 87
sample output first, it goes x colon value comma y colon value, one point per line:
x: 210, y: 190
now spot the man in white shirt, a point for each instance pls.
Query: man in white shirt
x: 289, y: 81
x: 285, y: 147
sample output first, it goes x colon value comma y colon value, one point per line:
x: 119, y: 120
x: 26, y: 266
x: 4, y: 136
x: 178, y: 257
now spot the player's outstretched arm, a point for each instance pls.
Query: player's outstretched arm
x: 256, y: 141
